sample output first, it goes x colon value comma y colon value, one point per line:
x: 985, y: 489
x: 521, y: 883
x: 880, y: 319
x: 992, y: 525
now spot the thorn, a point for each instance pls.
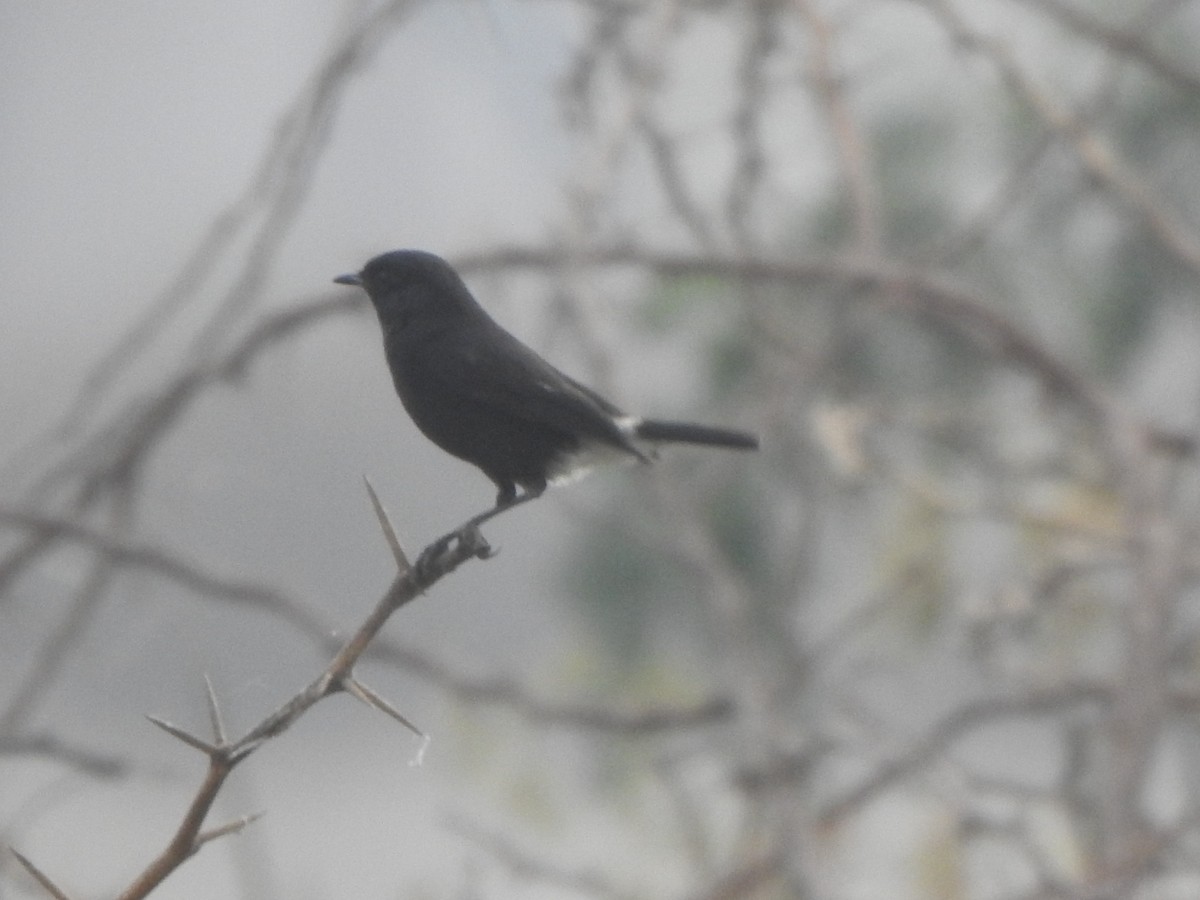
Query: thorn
x: 355, y: 690
x: 234, y: 827
x: 40, y: 877
x: 389, y: 532
x: 369, y: 697
x: 214, y: 713
x: 189, y: 739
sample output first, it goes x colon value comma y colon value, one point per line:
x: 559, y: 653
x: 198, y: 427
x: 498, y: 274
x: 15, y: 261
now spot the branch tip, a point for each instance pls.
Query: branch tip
x: 214, y: 712
x: 419, y: 757
x: 234, y: 827
x: 366, y: 695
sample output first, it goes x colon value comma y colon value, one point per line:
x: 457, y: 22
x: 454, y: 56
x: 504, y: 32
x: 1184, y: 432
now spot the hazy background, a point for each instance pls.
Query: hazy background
x: 943, y: 258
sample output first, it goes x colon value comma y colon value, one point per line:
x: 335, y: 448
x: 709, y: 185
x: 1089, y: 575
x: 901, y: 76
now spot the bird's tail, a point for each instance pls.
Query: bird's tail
x: 687, y: 433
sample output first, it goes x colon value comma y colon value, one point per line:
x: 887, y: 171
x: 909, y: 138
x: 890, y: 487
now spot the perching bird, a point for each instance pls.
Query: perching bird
x: 480, y: 394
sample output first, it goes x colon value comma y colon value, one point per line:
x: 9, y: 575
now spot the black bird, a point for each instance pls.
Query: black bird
x: 480, y: 394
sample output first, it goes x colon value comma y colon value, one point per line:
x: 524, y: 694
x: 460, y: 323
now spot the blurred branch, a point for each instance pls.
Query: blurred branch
x: 49, y: 746
x: 161, y: 563
x: 747, y: 880
x: 743, y: 881
x: 1122, y: 40
x: 937, y: 739
x: 759, y: 40
x: 123, y: 450
x: 40, y: 877
x: 606, y: 138
x: 891, y: 286
x: 504, y: 692
x: 274, y: 196
x: 525, y: 865
x: 852, y: 153
x: 48, y: 662
x: 112, y: 457
x: 1096, y: 157
x: 1133, y: 731
x: 69, y: 631
x: 1015, y: 188
x: 665, y: 155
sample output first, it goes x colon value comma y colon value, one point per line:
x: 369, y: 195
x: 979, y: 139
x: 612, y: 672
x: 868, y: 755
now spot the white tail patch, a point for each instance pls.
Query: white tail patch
x: 593, y: 454
x: 574, y: 465
x: 628, y: 425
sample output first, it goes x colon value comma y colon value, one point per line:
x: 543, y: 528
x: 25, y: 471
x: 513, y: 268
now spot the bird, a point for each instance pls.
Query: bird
x: 483, y: 396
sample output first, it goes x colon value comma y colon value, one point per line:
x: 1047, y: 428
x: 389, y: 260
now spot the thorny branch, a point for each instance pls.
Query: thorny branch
x: 308, y: 620
x: 435, y: 562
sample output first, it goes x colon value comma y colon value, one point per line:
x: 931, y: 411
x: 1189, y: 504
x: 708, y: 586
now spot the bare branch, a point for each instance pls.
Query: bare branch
x: 184, y: 843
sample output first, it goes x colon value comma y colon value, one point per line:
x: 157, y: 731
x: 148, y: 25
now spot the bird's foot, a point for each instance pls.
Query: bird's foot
x: 467, y: 540
x: 471, y: 538
x: 461, y: 544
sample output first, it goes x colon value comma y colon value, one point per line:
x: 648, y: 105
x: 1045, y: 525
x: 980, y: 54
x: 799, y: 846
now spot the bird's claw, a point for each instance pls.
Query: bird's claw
x: 470, y: 541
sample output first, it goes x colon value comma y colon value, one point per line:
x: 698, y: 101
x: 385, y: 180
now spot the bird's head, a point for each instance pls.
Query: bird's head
x: 412, y: 285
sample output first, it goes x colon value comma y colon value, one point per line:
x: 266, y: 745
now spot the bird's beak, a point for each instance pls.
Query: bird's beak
x: 352, y: 279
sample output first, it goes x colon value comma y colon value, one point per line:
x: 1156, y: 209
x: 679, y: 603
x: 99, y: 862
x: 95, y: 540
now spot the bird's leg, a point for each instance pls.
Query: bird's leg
x: 504, y: 502
x: 468, y: 532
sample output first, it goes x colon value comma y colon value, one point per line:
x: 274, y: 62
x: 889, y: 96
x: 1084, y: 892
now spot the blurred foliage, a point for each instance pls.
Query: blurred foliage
x: 1060, y: 253
x: 912, y: 566
x: 624, y: 587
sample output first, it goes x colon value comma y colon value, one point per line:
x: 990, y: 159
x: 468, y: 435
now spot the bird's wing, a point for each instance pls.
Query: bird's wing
x: 499, y: 372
